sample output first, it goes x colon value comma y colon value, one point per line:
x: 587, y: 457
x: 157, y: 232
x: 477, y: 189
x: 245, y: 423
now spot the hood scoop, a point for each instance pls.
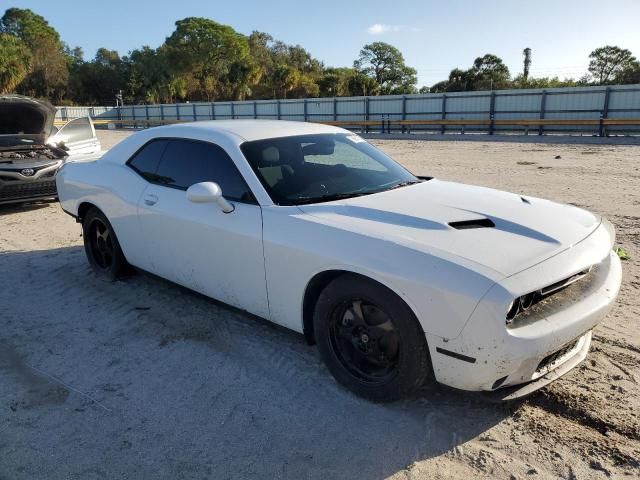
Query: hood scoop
x: 469, y: 224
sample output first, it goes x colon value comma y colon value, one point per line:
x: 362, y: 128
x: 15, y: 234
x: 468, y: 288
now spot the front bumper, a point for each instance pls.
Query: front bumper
x: 563, y: 365
x: 490, y: 356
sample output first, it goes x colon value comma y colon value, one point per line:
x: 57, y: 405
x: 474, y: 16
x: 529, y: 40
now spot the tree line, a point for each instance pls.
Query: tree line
x: 203, y: 60
x: 608, y: 65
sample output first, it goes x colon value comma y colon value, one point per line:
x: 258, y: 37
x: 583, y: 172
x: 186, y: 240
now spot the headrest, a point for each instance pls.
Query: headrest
x: 270, y: 156
x: 281, y: 153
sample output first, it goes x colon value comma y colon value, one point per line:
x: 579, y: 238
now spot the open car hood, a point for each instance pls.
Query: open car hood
x: 24, y: 121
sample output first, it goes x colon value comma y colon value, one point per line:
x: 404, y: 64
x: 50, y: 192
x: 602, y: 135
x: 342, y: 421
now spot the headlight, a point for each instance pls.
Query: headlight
x: 521, y: 304
x: 512, y: 311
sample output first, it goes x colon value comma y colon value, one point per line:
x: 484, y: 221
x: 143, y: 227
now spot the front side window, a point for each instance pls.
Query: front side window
x: 185, y: 162
x: 324, y: 167
x: 76, y: 130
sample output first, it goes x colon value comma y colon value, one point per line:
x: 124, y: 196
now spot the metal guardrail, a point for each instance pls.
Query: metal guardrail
x: 611, y: 110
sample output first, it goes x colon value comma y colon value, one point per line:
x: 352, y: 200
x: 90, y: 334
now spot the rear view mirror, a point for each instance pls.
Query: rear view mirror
x: 209, y: 192
x: 320, y: 148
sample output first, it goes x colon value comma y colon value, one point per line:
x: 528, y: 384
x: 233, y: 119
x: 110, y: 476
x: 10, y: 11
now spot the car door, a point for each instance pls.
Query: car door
x: 196, y: 244
x: 78, y: 136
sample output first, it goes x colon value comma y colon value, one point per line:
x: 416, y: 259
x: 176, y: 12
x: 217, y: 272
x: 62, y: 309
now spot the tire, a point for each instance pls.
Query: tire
x: 101, y: 246
x: 370, y: 339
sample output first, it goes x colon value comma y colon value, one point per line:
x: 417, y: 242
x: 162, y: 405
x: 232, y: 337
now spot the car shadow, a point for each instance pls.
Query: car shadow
x: 144, y: 376
x: 13, y: 208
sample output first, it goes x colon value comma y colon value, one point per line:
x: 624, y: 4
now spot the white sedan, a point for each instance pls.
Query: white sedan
x: 399, y: 280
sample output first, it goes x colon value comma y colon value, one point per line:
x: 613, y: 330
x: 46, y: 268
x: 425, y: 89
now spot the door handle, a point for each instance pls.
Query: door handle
x: 150, y: 199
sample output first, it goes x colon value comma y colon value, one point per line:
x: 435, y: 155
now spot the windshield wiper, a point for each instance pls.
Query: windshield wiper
x: 329, y: 197
x: 340, y: 196
x: 403, y: 184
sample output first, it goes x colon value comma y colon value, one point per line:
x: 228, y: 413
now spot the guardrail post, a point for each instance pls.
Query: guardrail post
x: 255, y: 110
x: 443, y: 116
x: 492, y: 111
x: 195, y: 115
x: 366, y: 114
x: 212, y: 111
x: 233, y: 112
x: 304, y: 106
x: 161, y: 112
x: 335, y: 109
x: 92, y: 112
x: 605, y: 112
x: 146, y: 111
x: 404, y: 110
x: 278, y: 108
x: 543, y: 105
x: 177, y: 111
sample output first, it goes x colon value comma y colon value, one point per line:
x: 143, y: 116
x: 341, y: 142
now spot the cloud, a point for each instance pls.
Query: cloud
x: 380, y: 28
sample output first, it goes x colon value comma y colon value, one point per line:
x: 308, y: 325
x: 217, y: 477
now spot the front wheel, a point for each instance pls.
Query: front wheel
x: 370, y: 340
x: 101, y: 245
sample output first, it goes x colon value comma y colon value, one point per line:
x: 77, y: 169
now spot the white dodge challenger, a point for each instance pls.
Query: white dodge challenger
x: 399, y: 280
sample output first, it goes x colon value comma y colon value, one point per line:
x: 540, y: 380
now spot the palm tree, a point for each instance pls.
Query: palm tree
x: 15, y: 60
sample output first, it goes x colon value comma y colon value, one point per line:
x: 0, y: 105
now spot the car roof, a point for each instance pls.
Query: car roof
x: 250, y: 130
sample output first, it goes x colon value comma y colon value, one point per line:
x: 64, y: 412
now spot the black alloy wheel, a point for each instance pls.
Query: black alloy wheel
x: 369, y: 339
x: 365, y: 340
x: 101, y: 245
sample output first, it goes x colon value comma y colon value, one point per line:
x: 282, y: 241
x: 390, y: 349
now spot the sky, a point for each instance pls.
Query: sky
x: 434, y: 36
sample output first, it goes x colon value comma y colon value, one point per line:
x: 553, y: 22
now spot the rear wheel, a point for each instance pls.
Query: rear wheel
x: 101, y: 245
x: 370, y: 340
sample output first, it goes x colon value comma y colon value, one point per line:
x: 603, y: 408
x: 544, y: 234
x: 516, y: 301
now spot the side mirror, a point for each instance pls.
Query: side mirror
x: 209, y: 192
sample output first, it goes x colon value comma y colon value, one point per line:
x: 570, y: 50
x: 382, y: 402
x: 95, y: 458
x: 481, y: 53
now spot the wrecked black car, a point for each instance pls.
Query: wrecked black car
x: 32, y: 149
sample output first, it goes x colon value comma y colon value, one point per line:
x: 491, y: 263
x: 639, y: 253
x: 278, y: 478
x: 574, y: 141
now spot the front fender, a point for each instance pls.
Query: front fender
x: 441, y: 293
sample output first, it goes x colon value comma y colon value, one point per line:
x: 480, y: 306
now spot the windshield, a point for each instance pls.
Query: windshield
x: 321, y: 168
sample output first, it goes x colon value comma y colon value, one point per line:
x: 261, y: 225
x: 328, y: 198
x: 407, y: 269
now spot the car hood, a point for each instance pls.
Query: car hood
x: 24, y: 121
x: 512, y: 232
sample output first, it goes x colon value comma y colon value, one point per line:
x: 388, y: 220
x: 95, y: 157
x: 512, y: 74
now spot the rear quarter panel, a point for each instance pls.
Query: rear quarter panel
x: 113, y: 188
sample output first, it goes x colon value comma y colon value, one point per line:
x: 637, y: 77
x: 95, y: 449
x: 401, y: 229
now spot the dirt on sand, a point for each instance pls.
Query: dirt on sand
x: 143, y: 379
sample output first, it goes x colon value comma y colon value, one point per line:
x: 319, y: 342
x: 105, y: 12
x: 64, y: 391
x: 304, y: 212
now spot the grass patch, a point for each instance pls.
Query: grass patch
x: 622, y: 253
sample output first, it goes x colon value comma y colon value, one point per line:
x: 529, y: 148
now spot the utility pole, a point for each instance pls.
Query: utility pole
x: 527, y: 63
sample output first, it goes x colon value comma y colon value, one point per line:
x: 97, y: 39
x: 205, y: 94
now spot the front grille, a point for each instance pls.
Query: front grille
x: 555, y: 356
x: 28, y: 190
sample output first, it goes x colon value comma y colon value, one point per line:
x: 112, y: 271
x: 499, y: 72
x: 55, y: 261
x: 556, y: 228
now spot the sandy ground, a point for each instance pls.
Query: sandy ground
x: 143, y: 379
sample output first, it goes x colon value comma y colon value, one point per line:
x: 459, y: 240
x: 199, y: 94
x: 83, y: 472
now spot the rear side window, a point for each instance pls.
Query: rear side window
x: 187, y: 162
x: 147, y: 160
